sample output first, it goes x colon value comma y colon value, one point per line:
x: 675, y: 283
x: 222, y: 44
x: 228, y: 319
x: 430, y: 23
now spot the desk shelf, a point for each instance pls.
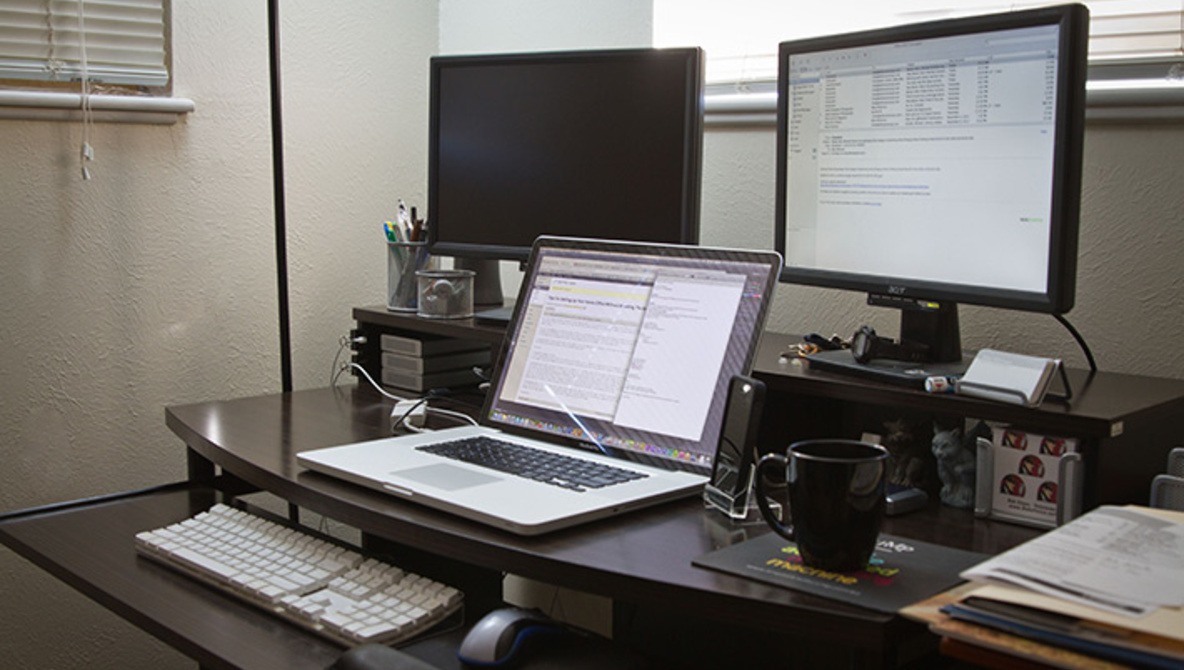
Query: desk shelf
x: 1127, y: 423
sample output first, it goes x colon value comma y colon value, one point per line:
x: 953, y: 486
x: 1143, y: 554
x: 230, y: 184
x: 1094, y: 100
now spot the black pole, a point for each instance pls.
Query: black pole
x: 277, y: 169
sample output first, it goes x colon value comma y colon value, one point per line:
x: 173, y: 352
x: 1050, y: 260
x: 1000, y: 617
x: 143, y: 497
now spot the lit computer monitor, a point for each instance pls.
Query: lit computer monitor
x: 932, y: 164
x: 596, y: 144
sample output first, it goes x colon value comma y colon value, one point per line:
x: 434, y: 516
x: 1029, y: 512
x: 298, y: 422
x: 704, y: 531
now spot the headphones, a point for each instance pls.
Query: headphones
x: 866, y: 345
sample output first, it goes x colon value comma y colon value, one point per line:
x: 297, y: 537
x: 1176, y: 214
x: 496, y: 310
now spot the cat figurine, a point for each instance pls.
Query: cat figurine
x: 955, y: 466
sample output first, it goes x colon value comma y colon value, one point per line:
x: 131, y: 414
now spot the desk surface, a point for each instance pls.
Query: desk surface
x: 642, y: 557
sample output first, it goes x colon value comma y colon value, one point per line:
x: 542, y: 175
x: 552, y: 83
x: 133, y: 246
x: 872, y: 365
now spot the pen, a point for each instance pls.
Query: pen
x: 401, y: 217
x: 416, y: 227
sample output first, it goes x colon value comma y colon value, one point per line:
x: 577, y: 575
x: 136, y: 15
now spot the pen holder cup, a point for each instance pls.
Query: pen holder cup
x: 403, y: 260
x: 445, y: 294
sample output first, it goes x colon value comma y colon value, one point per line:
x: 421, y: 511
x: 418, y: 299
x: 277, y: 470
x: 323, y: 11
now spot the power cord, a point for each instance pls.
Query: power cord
x: 1089, y: 355
x: 345, y: 342
x: 465, y: 418
x: 410, y: 415
x: 339, y: 368
x: 87, y: 151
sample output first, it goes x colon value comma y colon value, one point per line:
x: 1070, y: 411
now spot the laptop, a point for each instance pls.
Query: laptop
x: 618, y: 354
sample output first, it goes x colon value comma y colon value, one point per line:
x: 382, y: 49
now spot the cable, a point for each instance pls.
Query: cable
x: 455, y: 415
x: 87, y: 153
x: 1089, y: 356
x: 335, y: 371
x: 338, y: 370
x: 373, y: 383
x: 402, y: 420
x: 343, y: 343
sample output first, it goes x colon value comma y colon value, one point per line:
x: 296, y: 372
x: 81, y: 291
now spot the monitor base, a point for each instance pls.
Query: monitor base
x: 487, y: 285
x: 498, y: 314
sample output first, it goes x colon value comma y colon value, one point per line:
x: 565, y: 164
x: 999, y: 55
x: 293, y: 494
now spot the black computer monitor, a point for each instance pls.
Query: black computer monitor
x: 935, y: 163
x: 596, y: 144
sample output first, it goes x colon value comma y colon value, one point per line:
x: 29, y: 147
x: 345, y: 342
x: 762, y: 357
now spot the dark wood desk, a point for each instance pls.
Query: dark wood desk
x: 642, y: 558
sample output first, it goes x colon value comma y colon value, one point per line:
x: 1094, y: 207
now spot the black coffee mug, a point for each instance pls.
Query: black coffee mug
x: 836, y: 500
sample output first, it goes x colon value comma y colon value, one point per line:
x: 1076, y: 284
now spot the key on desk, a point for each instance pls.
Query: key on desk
x: 317, y: 584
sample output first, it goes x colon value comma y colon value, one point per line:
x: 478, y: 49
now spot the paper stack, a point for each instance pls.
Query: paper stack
x: 1106, y: 590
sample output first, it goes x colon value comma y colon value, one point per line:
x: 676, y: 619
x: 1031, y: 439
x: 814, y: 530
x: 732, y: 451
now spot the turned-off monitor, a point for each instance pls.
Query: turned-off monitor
x: 598, y: 144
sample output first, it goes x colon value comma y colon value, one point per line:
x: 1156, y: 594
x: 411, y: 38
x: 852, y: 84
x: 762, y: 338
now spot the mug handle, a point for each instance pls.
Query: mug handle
x: 768, y: 460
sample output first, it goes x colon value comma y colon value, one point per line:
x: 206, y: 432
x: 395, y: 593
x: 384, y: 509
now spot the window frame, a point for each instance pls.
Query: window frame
x: 1118, y: 88
x: 44, y: 99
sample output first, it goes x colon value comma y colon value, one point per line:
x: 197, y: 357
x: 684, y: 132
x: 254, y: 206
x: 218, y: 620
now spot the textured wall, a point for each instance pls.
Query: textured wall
x: 154, y: 283
x: 355, y: 135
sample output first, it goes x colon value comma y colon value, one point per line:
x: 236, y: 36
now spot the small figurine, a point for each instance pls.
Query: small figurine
x: 955, y: 465
x: 911, y: 461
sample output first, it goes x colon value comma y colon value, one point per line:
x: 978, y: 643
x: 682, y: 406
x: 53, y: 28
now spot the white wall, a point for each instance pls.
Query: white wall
x: 154, y: 283
x: 484, y: 26
x: 355, y: 135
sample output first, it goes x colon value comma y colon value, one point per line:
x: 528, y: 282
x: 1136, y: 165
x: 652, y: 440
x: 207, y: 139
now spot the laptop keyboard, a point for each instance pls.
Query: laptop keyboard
x: 571, y: 473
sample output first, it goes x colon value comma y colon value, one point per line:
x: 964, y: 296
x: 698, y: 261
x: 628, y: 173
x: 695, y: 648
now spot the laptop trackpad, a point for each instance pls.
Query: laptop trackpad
x: 444, y: 476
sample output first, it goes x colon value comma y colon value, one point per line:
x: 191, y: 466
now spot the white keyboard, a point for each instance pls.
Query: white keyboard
x: 317, y: 584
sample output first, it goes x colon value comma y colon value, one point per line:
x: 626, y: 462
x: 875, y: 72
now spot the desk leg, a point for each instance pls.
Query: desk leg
x: 199, y: 469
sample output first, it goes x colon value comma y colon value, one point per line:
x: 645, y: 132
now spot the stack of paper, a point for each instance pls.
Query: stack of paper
x: 1107, y: 588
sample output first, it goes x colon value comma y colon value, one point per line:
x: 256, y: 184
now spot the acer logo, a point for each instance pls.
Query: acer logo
x: 896, y: 290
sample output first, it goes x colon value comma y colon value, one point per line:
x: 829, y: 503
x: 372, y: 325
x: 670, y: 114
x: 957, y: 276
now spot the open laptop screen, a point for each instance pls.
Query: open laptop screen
x: 629, y: 347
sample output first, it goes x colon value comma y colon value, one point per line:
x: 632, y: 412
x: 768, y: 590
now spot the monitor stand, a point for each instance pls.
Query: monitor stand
x: 487, y: 284
x: 898, y: 373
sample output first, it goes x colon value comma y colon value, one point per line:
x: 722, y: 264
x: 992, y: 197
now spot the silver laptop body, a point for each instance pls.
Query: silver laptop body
x: 619, y: 353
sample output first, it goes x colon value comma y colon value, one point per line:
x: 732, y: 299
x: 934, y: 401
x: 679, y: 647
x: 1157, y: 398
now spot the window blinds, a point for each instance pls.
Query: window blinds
x: 741, y: 36
x: 124, y: 41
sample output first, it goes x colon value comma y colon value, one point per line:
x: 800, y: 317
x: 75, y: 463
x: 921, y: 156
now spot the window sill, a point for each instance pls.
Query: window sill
x: 56, y: 106
x: 1103, y: 103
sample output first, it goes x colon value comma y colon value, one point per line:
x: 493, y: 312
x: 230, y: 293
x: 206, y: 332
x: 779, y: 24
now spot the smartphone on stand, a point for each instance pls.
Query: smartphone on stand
x: 731, y: 477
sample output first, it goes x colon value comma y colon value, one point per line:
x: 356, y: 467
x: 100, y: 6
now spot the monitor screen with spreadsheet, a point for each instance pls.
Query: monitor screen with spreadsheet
x: 936, y: 163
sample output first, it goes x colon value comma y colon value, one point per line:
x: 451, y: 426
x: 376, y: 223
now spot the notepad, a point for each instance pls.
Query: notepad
x: 1008, y: 377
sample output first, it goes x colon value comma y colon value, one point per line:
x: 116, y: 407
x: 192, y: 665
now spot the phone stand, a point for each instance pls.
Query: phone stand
x: 741, y: 507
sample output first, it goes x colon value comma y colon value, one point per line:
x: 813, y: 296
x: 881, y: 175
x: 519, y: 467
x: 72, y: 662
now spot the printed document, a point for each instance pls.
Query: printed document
x: 1128, y: 560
